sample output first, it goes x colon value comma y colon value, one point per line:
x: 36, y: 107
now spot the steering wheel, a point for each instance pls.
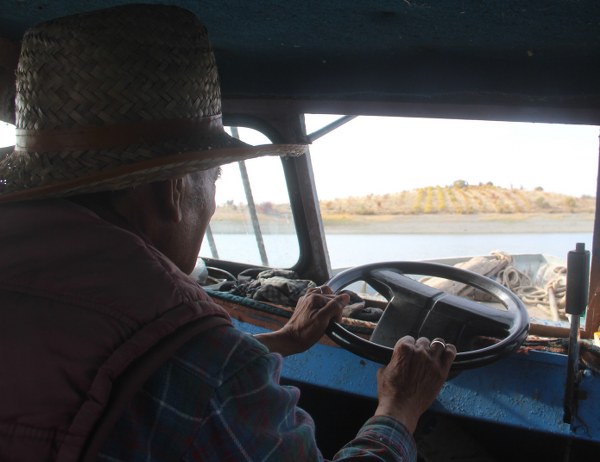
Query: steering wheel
x: 422, y: 311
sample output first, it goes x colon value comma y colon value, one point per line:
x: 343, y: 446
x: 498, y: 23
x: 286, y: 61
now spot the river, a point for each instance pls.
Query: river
x: 356, y: 249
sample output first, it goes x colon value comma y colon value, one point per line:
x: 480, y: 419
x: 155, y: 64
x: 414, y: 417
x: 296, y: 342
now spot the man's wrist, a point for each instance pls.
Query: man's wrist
x: 407, y: 418
x: 279, y: 341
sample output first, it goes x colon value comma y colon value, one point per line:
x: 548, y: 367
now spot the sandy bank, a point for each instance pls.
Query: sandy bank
x: 425, y: 224
x: 464, y: 224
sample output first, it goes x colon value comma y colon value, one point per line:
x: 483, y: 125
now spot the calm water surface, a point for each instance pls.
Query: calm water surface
x: 357, y: 249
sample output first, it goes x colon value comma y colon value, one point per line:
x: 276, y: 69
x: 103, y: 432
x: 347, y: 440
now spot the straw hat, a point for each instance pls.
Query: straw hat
x: 117, y: 98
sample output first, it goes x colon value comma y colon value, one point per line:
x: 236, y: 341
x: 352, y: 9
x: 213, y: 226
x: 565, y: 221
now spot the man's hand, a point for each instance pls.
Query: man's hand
x: 411, y: 381
x: 308, y: 323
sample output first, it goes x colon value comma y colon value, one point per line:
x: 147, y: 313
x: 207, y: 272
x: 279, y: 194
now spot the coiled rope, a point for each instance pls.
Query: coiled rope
x: 551, y: 297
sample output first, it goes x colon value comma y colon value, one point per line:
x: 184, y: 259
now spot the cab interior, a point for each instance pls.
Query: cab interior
x: 281, y: 62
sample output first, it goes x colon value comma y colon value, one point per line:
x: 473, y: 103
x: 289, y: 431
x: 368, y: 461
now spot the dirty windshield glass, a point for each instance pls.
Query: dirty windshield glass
x: 253, y: 221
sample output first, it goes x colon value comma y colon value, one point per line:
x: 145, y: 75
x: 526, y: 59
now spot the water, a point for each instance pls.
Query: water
x: 357, y: 249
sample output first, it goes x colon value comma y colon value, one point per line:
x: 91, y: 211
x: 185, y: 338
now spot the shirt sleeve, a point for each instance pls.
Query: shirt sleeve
x: 252, y: 417
x: 380, y: 439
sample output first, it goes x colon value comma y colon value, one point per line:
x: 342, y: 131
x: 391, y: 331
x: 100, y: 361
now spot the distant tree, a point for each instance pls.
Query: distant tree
x: 265, y: 207
x: 460, y: 184
x: 542, y: 203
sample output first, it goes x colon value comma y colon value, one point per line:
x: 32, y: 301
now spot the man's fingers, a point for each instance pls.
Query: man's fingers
x: 322, y: 290
x: 437, y: 347
x: 403, y: 348
x: 335, y: 306
x: 407, y: 339
x: 314, y: 291
x: 422, y: 342
x: 326, y: 290
x: 448, y: 355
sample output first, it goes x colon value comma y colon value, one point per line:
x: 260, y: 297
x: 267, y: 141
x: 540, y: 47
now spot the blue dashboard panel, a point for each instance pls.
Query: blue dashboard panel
x: 524, y: 390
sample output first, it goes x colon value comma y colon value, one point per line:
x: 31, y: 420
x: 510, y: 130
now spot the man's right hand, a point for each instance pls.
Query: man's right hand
x: 411, y: 381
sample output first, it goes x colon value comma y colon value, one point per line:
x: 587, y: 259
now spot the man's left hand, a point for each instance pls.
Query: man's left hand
x: 314, y: 311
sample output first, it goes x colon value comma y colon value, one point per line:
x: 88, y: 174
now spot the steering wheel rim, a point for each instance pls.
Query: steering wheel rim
x: 517, y: 332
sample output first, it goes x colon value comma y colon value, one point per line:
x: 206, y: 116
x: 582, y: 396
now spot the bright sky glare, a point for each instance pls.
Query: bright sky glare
x: 378, y: 155
x: 396, y: 154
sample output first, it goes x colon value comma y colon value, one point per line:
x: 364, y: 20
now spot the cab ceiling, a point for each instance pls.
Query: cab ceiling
x: 503, y: 59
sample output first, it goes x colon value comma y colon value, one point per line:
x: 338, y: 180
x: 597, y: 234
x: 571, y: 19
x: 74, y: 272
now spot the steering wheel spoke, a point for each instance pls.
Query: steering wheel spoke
x: 395, y: 282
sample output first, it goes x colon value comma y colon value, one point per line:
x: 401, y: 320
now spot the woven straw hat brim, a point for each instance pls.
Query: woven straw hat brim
x: 150, y: 170
x: 115, y: 98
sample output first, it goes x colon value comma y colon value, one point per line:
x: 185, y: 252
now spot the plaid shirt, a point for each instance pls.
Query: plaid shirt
x: 249, y: 416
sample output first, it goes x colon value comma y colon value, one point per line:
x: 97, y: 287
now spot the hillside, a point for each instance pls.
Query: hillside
x: 459, y: 208
x: 462, y: 199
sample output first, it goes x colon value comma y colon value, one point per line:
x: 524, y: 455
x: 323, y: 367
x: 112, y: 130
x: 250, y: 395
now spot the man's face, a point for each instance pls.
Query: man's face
x: 198, y: 208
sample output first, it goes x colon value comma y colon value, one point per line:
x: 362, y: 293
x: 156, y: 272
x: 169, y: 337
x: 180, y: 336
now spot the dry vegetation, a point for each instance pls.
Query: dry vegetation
x: 459, y: 208
x: 462, y: 199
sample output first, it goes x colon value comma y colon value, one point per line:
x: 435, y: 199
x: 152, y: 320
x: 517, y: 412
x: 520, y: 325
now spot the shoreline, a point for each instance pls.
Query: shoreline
x: 516, y: 223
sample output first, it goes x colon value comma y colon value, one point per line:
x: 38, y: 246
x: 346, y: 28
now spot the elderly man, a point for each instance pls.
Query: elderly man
x: 110, y: 351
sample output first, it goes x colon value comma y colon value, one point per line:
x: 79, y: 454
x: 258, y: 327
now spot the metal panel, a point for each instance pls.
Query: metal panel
x: 523, y: 390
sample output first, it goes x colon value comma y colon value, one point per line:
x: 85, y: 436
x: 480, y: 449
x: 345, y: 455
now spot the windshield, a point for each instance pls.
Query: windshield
x: 434, y: 188
x: 253, y: 222
x: 394, y: 188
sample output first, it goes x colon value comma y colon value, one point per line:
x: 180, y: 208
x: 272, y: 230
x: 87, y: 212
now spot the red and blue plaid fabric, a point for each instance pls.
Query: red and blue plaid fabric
x: 249, y: 416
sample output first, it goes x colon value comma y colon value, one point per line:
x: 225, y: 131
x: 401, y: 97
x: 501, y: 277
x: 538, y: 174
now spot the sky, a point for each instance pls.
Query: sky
x: 409, y: 153
x: 379, y: 155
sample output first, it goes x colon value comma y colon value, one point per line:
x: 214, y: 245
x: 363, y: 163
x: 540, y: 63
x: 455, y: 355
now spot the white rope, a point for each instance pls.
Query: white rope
x: 550, y: 297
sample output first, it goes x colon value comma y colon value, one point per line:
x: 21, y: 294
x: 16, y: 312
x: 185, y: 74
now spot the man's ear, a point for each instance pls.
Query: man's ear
x: 170, y: 199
